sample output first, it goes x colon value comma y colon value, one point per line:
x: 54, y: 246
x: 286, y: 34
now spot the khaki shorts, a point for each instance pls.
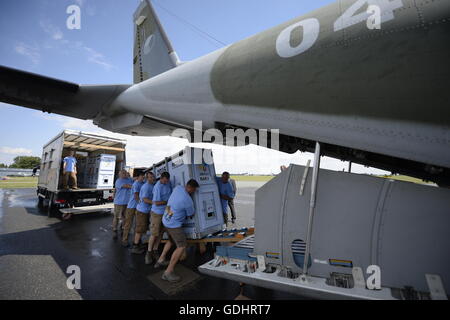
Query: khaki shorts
x: 119, y: 214
x: 141, y: 222
x: 129, y: 216
x: 178, y: 237
x: 156, y: 226
x: 119, y: 211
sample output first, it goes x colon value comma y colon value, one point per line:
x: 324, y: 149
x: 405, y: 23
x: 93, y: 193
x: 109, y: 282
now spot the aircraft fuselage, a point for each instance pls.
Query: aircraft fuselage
x: 326, y: 76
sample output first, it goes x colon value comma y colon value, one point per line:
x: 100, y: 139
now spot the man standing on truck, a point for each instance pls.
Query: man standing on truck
x: 143, y: 211
x: 161, y: 194
x: 121, y: 198
x: 231, y: 202
x: 226, y: 193
x: 70, y: 170
x: 179, y: 207
x: 131, y: 208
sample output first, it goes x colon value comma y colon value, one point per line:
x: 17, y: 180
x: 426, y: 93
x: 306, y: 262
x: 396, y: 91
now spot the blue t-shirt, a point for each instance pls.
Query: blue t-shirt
x: 122, y: 196
x: 225, y: 189
x: 71, y: 163
x: 161, y: 192
x: 132, y: 204
x: 180, y: 206
x: 146, y: 192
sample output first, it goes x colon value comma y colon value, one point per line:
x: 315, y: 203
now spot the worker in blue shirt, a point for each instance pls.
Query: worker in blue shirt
x: 231, y: 202
x: 70, y: 170
x: 143, y: 212
x: 131, y: 208
x: 121, y: 198
x: 179, y: 207
x: 161, y: 194
x: 226, y: 193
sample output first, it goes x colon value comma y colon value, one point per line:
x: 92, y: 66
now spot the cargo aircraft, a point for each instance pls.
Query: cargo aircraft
x: 376, y: 96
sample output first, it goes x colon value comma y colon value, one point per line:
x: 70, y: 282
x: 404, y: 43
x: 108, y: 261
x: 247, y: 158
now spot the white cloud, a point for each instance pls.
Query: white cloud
x: 97, y: 58
x: 67, y: 122
x: 51, y: 29
x: 16, y: 151
x: 32, y: 52
x: 93, y: 56
x: 72, y: 123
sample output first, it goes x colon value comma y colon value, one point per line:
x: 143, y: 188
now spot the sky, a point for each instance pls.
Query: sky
x: 35, y: 38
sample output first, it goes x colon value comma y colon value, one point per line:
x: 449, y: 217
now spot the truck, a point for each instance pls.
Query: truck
x: 99, y: 160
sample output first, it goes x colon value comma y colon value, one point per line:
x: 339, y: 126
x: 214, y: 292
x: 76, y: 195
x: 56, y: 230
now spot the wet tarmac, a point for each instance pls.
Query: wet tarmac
x: 35, y: 252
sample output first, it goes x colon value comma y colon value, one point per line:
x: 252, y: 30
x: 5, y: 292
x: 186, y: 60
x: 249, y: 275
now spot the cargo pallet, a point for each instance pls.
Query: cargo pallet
x: 224, y: 236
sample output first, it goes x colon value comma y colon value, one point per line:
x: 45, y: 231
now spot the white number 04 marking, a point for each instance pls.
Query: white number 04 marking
x: 311, y: 27
x: 349, y: 18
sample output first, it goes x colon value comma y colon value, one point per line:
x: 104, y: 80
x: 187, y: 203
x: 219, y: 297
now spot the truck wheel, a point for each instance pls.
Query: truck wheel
x: 51, y: 209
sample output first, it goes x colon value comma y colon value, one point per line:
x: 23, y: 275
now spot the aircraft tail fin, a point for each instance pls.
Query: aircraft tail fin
x: 153, y: 52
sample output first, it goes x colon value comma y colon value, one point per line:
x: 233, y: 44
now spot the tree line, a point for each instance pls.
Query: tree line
x: 23, y: 162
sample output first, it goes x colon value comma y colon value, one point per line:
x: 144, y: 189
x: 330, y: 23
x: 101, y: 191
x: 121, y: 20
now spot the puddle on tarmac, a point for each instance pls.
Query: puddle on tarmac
x: 18, y: 199
x: 96, y: 253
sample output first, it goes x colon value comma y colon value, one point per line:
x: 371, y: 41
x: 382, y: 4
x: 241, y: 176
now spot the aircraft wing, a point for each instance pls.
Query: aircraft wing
x: 55, y: 96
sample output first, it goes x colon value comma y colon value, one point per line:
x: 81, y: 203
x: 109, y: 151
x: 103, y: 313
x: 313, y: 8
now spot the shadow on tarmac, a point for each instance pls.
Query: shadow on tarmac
x: 110, y: 271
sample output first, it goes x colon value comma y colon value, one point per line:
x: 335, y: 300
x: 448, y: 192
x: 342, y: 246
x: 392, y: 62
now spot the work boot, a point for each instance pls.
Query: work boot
x: 155, y: 254
x: 115, y: 235
x: 143, y: 245
x: 137, y: 250
x: 171, y: 277
x: 149, y: 258
x: 164, y: 263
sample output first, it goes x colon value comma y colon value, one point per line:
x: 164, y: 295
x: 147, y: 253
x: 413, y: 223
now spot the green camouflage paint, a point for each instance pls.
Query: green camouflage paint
x: 353, y: 72
x: 147, y: 28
